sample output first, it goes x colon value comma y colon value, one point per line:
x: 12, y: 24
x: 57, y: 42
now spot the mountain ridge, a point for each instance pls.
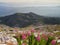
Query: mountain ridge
x: 26, y: 19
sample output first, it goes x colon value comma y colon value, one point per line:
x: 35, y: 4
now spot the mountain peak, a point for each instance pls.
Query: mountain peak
x: 26, y: 19
x: 24, y: 13
x: 20, y: 19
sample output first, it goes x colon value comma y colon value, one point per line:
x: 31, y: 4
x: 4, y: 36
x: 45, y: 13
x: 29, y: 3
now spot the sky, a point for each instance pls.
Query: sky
x: 32, y: 1
x: 8, y: 6
x: 24, y: 3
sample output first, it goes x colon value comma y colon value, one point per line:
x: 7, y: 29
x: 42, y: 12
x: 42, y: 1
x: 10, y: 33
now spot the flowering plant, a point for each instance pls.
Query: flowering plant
x: 34, y: 38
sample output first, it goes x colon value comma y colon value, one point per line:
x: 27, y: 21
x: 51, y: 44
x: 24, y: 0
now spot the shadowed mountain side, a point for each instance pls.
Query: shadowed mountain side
x: 26, y: 19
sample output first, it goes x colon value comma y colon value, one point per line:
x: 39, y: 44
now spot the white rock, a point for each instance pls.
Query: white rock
x: 35, y: 34
x: 58, y: 41
x: 3, y: 44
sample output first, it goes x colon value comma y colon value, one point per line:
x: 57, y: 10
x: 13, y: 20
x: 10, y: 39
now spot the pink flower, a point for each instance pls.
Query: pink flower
x: 23, y: 43
x: 29, y: 33
x: 33, y: 30
x: 38, y: 38
x: 24, y: 36
x: 53, y: 42
x: 45, y: 36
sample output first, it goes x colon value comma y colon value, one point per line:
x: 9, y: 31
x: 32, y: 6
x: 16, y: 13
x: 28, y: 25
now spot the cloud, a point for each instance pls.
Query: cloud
x: 31, y: 1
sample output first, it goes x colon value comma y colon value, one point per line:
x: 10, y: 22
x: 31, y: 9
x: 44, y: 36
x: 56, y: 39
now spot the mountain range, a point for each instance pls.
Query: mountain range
x: 26, y: 19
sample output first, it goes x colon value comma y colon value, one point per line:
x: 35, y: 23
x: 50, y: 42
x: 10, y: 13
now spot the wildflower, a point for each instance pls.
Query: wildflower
x: 24, y: 36
x: 38, y: 38
x: 23, y: 43
x: 53, y: 42
x: 29, y: 33
x: 45, y: 36
x: 33, y: 30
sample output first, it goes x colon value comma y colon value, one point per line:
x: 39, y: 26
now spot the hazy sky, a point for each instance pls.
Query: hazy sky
x: 10, y: 6
x: 33, y: 1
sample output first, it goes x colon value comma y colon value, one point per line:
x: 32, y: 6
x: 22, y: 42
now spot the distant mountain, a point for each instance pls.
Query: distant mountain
x: 20, y: 19
x: 26, y: 19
